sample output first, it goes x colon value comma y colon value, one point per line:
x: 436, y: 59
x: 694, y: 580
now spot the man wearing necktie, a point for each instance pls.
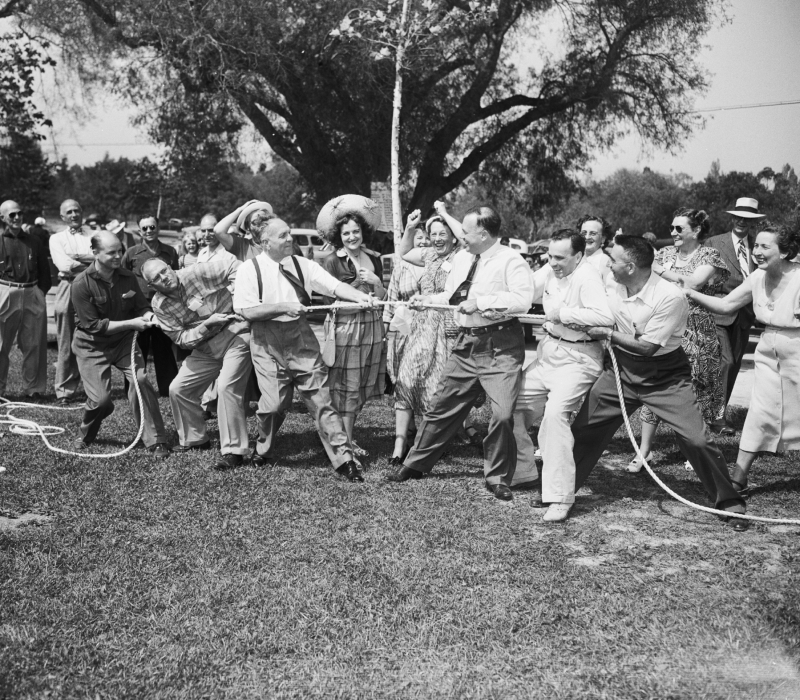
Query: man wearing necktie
x: 273, y: 291
x: 71, y: 251
x: 735, y: 248
x: 487, y: 282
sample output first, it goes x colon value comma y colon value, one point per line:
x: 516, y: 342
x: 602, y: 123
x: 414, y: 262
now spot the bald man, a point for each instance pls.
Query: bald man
x: 71, y: 251
x: 24, y: 282
x: 109, y: 307
x: 212, y: 249
x: 194, y: 307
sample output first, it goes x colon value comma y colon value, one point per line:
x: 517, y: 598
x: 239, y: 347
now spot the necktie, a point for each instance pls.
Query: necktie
x: 463, y: 289
x: 744, y: 262
x: 297, y: 283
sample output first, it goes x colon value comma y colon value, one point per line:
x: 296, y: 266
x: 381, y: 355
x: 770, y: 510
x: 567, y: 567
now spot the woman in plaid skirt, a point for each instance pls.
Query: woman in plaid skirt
x: 358, y: 372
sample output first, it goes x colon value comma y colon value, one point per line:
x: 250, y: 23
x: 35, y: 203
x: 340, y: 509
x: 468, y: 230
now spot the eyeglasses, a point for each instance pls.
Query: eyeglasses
x: 678, y: 229
x: 206, y: 230
x: 147, y: 228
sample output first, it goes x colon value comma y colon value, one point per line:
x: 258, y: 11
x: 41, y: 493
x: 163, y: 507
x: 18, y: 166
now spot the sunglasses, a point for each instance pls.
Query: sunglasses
x: 206, y: 230
x: 679, y: 229
x: 14, y: 214
x: 147, y: 228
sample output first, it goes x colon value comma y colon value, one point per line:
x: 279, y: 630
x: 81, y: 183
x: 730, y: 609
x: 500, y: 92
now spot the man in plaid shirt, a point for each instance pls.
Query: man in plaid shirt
x: 194, y: 307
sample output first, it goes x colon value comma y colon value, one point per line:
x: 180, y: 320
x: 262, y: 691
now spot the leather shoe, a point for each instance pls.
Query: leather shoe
x: 188, y: 448
x: 349, y: 470
x: 396, y: 462
x: 228, y: 461
x: 159, y: 450
x: 258, y: 460
x: 500, y: 492
x: 404, y: 474
x: 724, y: 430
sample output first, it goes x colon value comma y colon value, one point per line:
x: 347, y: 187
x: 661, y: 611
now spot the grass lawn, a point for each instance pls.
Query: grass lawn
x: 141, y: 578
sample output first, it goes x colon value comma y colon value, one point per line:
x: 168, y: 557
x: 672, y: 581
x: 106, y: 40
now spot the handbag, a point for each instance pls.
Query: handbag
x: 328, y: 349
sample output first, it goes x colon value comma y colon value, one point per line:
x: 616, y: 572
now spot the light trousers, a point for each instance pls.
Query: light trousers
x: 23, y: 318
x: 553, y: 388
x: 286, y: 355
x: 67, y: 376
x: 226, y: 360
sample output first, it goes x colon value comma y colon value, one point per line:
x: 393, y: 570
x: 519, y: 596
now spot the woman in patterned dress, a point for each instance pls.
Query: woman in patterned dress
x: 692, y: 265
x: 358, y: 373
x: 433, y: 333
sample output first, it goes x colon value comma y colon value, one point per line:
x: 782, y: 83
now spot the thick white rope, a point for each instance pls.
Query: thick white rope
x: 23, y: 426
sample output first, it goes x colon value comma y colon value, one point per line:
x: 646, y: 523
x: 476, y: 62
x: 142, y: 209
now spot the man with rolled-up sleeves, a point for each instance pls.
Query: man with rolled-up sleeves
x: 109, y: 307
x: 24, y: 282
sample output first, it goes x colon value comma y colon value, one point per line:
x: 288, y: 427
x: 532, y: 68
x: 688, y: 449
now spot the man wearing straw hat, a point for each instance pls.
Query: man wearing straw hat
x: 484, y: 279
x: 273, y: 291
x: 736, y: 248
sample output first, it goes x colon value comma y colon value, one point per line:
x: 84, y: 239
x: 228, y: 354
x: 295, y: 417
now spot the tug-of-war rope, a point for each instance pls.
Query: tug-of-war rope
x: 22, y: 426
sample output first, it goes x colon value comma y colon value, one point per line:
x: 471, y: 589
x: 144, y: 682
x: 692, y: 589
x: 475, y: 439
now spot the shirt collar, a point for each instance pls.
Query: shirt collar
x: 491, y: 252
x: 736, y: 240
x: 646, y: 293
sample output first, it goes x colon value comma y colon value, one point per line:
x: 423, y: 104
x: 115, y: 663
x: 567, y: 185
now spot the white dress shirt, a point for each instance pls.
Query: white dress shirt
x: 277, y: 289
x: 66, y: 243
x: 219, y: 253
x: 502, y: 281
x: 579, y: 298
x: 656, y: 314
x: 600, y: 262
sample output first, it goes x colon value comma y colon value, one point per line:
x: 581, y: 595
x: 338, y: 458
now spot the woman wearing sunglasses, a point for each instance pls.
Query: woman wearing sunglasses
x: 691, y: 265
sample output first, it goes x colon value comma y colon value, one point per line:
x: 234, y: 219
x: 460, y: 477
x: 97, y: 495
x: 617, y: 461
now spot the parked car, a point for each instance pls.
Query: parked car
x: 308, y: 238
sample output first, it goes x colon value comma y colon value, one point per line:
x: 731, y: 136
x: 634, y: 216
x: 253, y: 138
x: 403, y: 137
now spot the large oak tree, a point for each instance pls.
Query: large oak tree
x: 312, y: 78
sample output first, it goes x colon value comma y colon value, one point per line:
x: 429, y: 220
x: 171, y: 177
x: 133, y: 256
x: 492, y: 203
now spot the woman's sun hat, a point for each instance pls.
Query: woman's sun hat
x: 249, y: 209
x: 366, y: 208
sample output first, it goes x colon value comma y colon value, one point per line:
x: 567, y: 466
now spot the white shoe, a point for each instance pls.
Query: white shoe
x: 636, y: 464
x: 538, y: 454
x: 557, y: 512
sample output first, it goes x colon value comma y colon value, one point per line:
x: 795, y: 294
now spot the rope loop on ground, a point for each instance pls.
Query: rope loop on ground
x: 24, y: 426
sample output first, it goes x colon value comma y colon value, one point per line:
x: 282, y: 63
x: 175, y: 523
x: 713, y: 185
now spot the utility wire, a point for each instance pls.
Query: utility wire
x: 753, y: 106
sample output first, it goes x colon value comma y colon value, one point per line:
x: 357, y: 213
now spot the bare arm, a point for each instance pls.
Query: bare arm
x: 221, y: 229
x: 737, y: 299
x: 452, y: 222
x: 622, y: 340
x: 407, y: 250
x: 696, y: 280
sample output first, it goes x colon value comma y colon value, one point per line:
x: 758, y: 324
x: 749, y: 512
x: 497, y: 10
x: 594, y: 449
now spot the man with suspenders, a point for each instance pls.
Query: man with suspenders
x: 273, y: 291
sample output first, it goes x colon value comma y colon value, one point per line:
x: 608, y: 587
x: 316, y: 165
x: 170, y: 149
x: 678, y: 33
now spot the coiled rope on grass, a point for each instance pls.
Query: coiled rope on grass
x: 24, y: 426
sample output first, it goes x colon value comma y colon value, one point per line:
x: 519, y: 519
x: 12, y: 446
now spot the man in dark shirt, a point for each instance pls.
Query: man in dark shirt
x: 109, y: 307
x: 134, y: 258
x: 24, y: 282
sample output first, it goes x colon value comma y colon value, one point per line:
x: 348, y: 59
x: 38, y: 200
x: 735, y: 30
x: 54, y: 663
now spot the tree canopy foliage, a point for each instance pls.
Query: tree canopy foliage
x: 485, y: 88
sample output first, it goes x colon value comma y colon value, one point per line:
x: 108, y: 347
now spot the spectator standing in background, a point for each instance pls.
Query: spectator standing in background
x: 733, y: 330
x: 24, y: 281
x: 191, y: 249
x: 71, y: 251
x: 163, y: 352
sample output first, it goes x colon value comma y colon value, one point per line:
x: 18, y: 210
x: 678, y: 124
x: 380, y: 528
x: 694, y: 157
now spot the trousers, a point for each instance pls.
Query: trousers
x: 23, y: 318
x: 67, y: 376
x: 493, y: 362
x: 226, y: 361
x: 95, y: 363
x: 553, y: 388
x: 286, y: 355
x: 663, y: 383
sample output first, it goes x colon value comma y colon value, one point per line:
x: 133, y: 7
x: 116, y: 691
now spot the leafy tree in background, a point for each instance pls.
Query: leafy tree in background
x: 312, y: 84
x: 25, y: 174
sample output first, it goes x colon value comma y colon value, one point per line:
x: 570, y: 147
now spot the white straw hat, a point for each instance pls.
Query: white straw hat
x: 747, y: 208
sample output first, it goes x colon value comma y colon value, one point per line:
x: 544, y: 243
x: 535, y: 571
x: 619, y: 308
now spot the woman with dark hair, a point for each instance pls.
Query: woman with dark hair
x: 358, y: 372
x: 432, y: 334
x: 598, y: 233
x: 691, y: 265
x: 773, y: 419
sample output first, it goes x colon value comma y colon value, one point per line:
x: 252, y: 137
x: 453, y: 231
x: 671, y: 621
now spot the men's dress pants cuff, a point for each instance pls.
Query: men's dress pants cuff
x: 526, y: 480
x: 494, y: 481
x: 566, y: 500
x: 242, y: 452
x: 195, y: 443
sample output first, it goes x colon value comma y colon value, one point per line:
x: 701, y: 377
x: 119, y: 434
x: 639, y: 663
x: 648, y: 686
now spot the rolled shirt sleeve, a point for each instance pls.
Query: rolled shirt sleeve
x: 319, y: 279
x: 593, y: 309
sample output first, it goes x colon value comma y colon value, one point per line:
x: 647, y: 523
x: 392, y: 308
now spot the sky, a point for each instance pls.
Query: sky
x: 753, y: 59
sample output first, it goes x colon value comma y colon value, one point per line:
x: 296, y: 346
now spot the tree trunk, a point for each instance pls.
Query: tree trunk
x: 397, y: 103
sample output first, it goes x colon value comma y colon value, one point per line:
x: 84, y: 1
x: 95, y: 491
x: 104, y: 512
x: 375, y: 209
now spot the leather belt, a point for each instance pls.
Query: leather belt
x: 579, y: 342
x: 66, y: 278
x: 483, y: 330
x: 18, y: 285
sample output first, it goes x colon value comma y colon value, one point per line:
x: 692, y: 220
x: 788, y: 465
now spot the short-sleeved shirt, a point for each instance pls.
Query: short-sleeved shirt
x: 138, y: 255
x: 656, y: 314
x: 23, y: 260
x: 97, y: 302
x: 276, y: 288
x: 244, y: 249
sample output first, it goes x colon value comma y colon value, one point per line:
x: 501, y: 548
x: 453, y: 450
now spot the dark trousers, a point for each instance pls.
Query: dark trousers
x: 663, y: 383
x: 733, y: 341
x: 163, y: 357
x: 493, y: 363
